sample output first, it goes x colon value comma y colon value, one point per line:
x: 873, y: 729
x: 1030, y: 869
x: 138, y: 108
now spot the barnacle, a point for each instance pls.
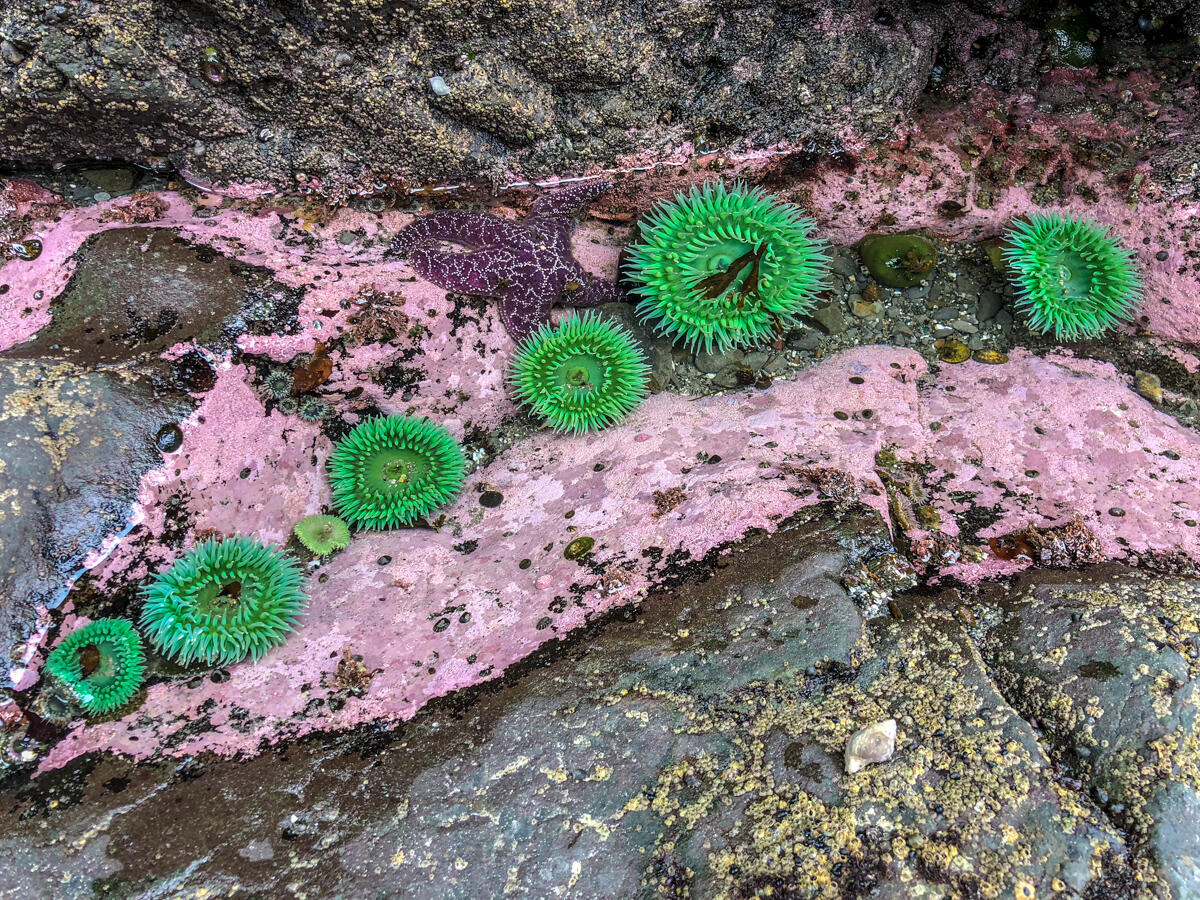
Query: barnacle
x: 581, y: 375
x: 1072, y: 278
x: 723, y: 267
x: 224, y: 601
x: 102, y: 664
x: 323, y: 535
x: 391, y: 470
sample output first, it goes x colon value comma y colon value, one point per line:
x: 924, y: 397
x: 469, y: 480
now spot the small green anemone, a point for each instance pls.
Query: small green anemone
x: 224, y: 601
x: 581, y: 375
x: 102, y: 664
x: 723, y: 267
x: 277, y: 384
x: 323, y: 534
x: 1072, y: 278
x: 392, y: 470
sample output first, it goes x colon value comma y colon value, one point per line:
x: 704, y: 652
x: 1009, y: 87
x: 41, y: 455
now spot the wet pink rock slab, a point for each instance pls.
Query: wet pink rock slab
x: 434, y: 611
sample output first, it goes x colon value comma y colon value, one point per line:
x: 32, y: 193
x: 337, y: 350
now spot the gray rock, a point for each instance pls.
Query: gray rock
x: 942, y: 332
x: 717, y: 360
x: 1174, y: 838
x: 844, y: 263
x: 69, y: 476
x: 809, y: 340
x: 727, y: 378
x: 989, y: 304
x: 756, y: 359
x: 1004, y: 320
x: 689, y: 748
x: 918, y: 292
x: 1104, y: 661
x: 963, y: 326
x: 138, y: 291
x: 830, y: 318
x: 497, y: 95
x: 944, y: 314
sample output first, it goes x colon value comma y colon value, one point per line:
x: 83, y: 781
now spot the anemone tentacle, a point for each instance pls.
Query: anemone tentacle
x: 224, y: 601
x: 102, y: 664
x: 323, y: 535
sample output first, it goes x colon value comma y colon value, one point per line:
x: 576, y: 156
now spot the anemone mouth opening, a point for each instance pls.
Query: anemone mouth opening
x: 89, y: 659
x: 1072, y: 275
x: 229, y: 593
x: 395, y: 472
x: 580, y: 375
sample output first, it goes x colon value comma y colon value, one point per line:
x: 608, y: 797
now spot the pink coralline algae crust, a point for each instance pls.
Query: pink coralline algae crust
x: 1035, y: 440
x: 434, y: 611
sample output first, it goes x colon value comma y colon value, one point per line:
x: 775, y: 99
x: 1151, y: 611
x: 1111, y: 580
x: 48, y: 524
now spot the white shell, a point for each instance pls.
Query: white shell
x: 872, y: 744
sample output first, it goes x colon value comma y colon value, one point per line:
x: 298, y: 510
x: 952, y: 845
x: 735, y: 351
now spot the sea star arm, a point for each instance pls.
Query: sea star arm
x: 568, y: 200
x: 524, y: 311
x: 476, y: 272
x: 594, y: 292
x: 467, y: 229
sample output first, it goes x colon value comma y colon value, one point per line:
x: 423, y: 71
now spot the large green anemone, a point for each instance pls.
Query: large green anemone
x: 102, y: 664
x: 392, y: 470
x: 323, y: 535
x: 224, y: 601
x: 581, y: 375
x: 723, y: 267
x: 1072, y: 278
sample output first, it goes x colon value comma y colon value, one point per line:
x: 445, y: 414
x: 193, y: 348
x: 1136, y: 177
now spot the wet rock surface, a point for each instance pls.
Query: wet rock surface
x: 541, y: 86
x: 76, y: 443
x: 137, y: 292
x: 693, y: 745
x: 1108, y: 667
x: 89, y: 405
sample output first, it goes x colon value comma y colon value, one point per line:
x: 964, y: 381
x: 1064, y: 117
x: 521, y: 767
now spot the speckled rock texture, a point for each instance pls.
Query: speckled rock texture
x: 1108, y: 668
x: 354, y: 94
x: 691, y: 747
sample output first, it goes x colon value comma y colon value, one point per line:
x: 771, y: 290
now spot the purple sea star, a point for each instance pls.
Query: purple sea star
x: 527, y: 265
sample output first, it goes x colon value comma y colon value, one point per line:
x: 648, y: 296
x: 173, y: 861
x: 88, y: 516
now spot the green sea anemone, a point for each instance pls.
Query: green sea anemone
x: 312, y: 410
x: 581, y: 375
x: 102, y: 664
x: 323, y: 535
x: 277, y: 384
x: 723, y: 267
x: 288, y: 406
x: 224, y: 601
x: 1071, y: 277
x: 391, y: 470
x: 898, y: 260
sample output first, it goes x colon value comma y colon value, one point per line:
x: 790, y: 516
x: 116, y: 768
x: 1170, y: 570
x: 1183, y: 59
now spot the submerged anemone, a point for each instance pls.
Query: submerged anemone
x: 1072, y: 278
x: 312, y: 410
x: 323, y: 535
x: 278, y: 384
x: 392, y: 470
x: 898, y: 260
x: 224, y: 601
x: 723, y: 267
x: 101, y: 664
x: 581, y: 375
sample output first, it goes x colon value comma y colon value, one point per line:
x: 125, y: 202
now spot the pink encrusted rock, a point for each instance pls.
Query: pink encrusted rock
x: 434, y: 611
